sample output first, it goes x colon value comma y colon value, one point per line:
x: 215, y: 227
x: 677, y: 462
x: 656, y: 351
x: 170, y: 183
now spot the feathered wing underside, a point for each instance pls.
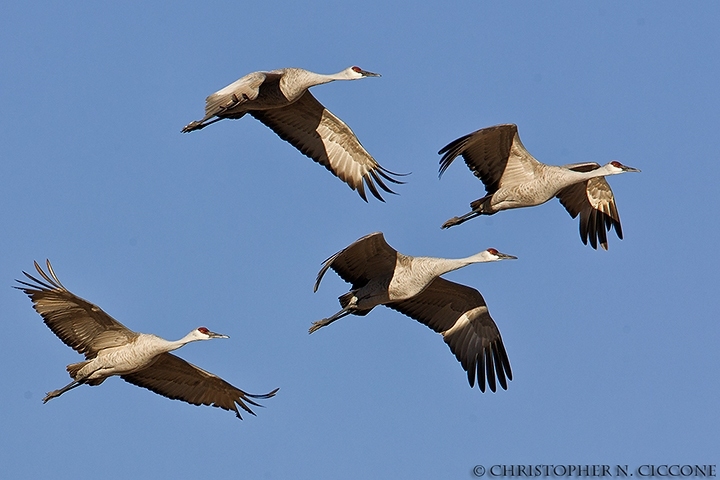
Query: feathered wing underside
x: 237, y: 93
x: 326, y: 139
x: 369, y: 257
x: 173, y: 377
x: 594, y: 201
x: 460, y: 314
x: 491, y: 154
x: 81, y: 325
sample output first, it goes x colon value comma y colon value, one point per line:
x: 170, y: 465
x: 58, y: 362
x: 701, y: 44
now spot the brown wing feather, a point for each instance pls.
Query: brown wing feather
x: 320, y: 135
x: 81, y: 325
x: 460, y: 314
x: 369, y: 257
x: 237, y: 93
x: 594, y: 201
x: 173, y: 377
x: 485, y: 151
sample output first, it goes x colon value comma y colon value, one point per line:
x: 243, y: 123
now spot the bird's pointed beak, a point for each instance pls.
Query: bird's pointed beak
x: 365, y: 73
x: 631, y: 169
x: 217, y: 335
x: 505, y: 256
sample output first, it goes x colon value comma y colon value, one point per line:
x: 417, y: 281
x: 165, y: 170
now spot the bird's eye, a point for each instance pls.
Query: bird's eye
x: 357, y: 69
x: 203, y: 330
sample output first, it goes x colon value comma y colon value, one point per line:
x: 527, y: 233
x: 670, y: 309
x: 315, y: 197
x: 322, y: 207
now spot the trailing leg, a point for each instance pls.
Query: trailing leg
x: 57, y: 393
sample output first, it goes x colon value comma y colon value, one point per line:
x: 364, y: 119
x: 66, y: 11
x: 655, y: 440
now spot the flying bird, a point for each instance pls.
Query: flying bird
x: 380, y: 275
x: 280, y: 99
x: 514, y: 179
x: 110, y: 349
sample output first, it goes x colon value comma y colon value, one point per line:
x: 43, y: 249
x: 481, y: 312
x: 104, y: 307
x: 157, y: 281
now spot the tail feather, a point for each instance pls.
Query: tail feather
x: 482, y: 205
x: 74, y: 368
x: 345, y: 299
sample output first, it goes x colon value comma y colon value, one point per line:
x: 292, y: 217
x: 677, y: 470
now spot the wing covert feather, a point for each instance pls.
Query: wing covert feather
x: 241, y: 91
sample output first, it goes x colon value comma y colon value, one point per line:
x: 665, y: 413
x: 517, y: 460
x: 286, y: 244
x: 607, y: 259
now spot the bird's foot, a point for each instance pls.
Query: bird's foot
x: 51, y: 395
x: 192, y: 126
x: 452, y: 222
x: 317, y: 325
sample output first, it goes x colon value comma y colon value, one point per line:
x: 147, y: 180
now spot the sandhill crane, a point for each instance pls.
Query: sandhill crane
x: 110, y: 349
x: 380, y: 275
x: 514, y: 179
x: 280, y: 99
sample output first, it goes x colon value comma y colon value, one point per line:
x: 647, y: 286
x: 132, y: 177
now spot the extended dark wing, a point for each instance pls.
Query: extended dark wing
x: 173, y: 377
x: 81, y: 325
x: 594, y: 201
x: 460, y: 314
x: 320, y: 135
x: 369, y: 257
x: 487, y: 153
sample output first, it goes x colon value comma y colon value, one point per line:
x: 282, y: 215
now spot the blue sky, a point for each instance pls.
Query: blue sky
x: 614, y: 354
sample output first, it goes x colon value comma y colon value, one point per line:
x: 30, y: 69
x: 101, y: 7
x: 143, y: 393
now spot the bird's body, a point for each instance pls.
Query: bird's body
x: 134, y: 356
x: 280, y: 99
x: 110, y: 349
x: 412, y: 285
x: 409, y: 278
x: 514, y: 179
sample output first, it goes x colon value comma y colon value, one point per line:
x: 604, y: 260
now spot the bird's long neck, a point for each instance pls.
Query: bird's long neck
x: 174, y: 345
x: 311, y: 78
x: 598, y: 172
x: 439, y: 266
x: 300, y: 80
x: 557, y: 178
x: 295, y: 82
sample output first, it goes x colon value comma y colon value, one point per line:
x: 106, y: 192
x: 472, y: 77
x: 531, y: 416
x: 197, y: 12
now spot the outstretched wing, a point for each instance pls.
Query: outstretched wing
x: 241, y: 91
x: 173, y: 377
x: 369, y: 257
x: 492, y: 154
x: 594, y: 201
x: 460, y: 314
x: 316, y: 132
x: 81, y: 325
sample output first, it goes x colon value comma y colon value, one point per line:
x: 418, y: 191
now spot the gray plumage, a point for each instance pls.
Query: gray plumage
x: 513, y: 179
x: 110, y: 349
x: 380, y: 275
x: 280, y: 99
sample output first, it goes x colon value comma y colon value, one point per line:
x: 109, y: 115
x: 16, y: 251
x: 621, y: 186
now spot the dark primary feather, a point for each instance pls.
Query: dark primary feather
x: 173, y: 377
x: 367, y: 258
x: 477, y: 345
x: 485, y: 151
x: 81, y: 325
x: 594, y: 201
x: 305, y: 122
